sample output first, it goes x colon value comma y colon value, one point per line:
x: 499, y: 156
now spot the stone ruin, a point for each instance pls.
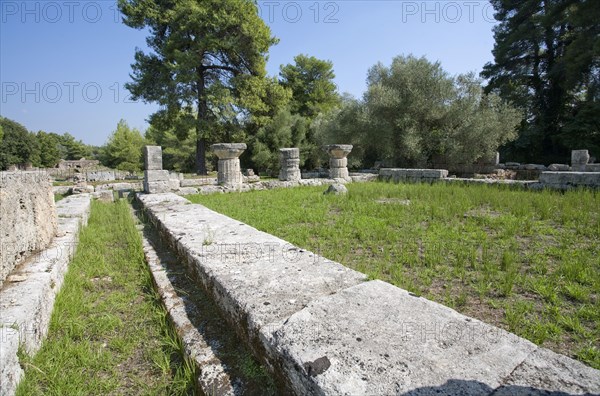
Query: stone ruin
x: 308, y: 318
x: 230, y: 177
x: 39, y: 238
x: 77, y: 164
x: 338, y: 161
x: 157, y: 180
x: 229, y: 170
x: 289, y: 161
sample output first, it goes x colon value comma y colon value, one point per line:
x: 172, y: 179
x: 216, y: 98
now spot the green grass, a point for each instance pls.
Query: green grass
x: 58, y: 197
x: 108, y: 332
x: 525, y: 261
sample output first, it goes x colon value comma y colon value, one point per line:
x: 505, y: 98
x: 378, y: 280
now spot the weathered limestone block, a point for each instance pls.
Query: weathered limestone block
x: 570, y: 179
x: 187, y: 191
x: 174, y: 184
x: 289, y: 161
x: 337, y: 160
x: 415, y: 175
x: 106, y: 175
x: 579, y: 159
x: 28, y: 217
x: 558, y: 167
x: 153, y: 158
x: 229, y: 171
x: 156, y: 175
x: 104, y: 195
x: 336, y: 189
x: 157, y: 187
x: 592, y: 168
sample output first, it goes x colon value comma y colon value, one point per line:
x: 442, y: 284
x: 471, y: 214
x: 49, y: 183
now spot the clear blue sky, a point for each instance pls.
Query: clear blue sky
x: 63, y: 64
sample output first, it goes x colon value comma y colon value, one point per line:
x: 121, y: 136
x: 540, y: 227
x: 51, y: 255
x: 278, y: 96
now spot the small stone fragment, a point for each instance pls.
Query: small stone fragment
x: 336, y: 189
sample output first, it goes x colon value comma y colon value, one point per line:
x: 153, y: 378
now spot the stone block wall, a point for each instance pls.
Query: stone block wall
x: 27, y: 217
x: 415, y: 175
x: 563, y: 180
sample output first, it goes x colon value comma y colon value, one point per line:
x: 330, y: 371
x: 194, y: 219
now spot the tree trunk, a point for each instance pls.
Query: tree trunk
x: 201, y: 155
x: 200, y: 124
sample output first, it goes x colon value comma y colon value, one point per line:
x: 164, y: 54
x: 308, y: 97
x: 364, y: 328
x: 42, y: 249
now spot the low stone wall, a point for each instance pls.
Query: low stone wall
x: 414, y: 175
x: 270, y: 185
x: 324, y: 329
x: 28, y: 217
x: 564, y: 180
x: 28, y: 294
x: 100, y: 175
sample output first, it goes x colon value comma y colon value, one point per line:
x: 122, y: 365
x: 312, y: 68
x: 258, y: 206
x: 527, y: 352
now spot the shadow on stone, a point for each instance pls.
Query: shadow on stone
x: 461, y: 387
x: 242, y: 376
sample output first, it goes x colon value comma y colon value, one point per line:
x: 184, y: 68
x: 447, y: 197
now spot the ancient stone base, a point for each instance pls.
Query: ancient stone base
x: 412, y: 175
x: 157, y: 187
x: 562, y: 180
x: 27, y: 297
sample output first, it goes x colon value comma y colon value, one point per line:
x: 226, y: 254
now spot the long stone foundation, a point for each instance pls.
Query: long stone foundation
x: 27, y: 217
x: 28, y: 294
x: 324, y: 329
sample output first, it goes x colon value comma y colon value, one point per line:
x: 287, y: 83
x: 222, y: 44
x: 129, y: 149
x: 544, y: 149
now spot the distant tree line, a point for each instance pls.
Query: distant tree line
x: 535, y: 102
x: 18, y: 146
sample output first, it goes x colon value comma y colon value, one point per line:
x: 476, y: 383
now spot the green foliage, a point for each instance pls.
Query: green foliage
x: 18, y: 146
x: 108, y: 333
x: 50, y: 154
x: 415, y: 114
x: 72, y: 149
x: 124, y: 149
x: 305, y: 91
x: 285, y: 130
x: 311, y: 82
x: 201, y: 53
x: 546, y: 62
x: 178, y: 149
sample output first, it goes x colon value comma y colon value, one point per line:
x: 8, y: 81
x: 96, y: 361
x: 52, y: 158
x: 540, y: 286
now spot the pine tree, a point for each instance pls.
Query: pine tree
x: 546, y: 61
x: 204, y: 52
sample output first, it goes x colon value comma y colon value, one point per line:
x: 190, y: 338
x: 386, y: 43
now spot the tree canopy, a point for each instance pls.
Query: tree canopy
x: 306, y: 90
x: 205, y: 57
x: 547, y: 62
x: 17, y: 146
x: 311, y: 83
x: 123, y: 150
x: 415, y: 114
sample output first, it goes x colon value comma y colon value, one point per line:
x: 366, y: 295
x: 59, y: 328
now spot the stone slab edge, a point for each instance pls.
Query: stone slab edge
x: 212, y: 377
x: 254, y: 295
x: 345, y: 355
x: 27, y: 298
